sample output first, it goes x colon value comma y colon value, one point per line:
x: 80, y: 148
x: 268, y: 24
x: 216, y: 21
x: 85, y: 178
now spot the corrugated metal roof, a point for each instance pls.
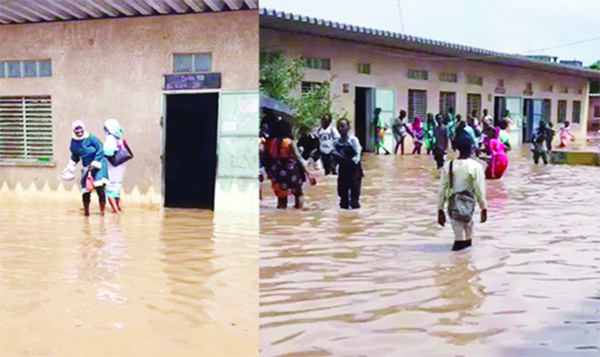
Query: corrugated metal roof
x: 31, y: 11
x: 280, y: 20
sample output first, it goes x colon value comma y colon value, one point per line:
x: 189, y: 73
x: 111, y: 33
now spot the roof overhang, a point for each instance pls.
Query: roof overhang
x: 288, y: 22
x: 35, y: 11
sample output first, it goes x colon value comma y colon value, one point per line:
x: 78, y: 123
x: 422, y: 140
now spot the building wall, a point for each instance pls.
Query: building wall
x: 113, y: 68
x: 389, y: 67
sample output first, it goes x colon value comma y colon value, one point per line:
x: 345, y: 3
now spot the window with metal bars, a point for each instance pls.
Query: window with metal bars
x: 19, y: 69
x: 192, y: 62
x: 26, y: 130
x: 562, y: 111
x: 317, y: 63
x: 448, y: 77
x: 308, y: 86
x: 364, y: 68
x: 417, y: 103
x: 474, y: 104
x: 447, y: 101
x: 417, y: 74
x: 477, y: 80
x: 576, y: 111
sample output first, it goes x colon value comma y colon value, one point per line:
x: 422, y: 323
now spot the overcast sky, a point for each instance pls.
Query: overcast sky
x: 510, y: 26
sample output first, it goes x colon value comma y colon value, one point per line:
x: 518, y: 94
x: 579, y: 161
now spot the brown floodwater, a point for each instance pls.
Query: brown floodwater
x: 145, y: 283
x: 382, y: 281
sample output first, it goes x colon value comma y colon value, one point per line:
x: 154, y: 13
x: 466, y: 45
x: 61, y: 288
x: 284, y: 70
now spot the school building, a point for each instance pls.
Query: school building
x: 181, y: 77
x: 371, y: 68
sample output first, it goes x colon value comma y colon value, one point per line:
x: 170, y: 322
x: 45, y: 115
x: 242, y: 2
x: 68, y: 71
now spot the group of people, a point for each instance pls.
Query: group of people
x: 100, y: 172
x: 490, y: 142
x: 285, y: 164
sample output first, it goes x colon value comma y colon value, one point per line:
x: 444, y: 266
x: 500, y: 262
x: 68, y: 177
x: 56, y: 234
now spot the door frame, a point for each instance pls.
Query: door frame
x: 163, y: 125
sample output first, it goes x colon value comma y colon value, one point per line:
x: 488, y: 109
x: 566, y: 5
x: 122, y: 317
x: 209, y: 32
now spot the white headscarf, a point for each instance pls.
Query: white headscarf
x: 75, y: 124
x: 113, y: 128
x: 113, y: 137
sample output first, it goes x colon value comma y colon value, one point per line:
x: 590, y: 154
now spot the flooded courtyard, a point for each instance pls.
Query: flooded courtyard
x: 382, y: 281
x: 145, y: 283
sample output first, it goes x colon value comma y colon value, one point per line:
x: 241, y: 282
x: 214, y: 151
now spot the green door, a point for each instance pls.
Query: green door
x: 385, y: 99
x: 515, y: 106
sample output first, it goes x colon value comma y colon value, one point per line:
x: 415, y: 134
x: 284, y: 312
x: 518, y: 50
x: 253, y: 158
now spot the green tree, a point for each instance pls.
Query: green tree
x: 595, y: 82
x: 280, y: 76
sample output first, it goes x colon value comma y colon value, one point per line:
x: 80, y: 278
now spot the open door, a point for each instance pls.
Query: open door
x: 191, y: 150
x: 363, y: 115
x: 385, y: 99
x: 514, y: 105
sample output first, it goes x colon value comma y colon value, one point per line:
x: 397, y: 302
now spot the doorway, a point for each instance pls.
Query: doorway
x: 499, y: 107
x: 190, y: 152
x: 363, y: 110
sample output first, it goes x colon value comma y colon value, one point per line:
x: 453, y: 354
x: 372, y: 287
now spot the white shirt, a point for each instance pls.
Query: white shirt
x: 468, y: 175
x: 326, y: 138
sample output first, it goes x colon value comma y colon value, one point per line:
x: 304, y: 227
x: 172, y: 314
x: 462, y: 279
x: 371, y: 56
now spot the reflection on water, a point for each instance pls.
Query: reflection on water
x: 180, y: 283
x: 382, y: 281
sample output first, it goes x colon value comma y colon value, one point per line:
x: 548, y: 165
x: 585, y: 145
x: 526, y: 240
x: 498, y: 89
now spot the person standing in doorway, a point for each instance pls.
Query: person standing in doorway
x: 88, y: 149
x: 347, y: 152
x: 399, y: 129
x: 462, y: 183
x: 113, y: 143
x: 507, y: 120
x: 379, y: 132
x: 441, y: 141
x: 327, y: 136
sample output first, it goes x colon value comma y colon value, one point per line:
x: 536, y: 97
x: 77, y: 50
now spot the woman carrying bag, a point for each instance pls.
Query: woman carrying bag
x: 117, y: 152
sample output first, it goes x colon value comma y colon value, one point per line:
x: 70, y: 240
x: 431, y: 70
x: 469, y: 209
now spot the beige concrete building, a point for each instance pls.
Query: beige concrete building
x: 180, y: 76
x: 372, y: 68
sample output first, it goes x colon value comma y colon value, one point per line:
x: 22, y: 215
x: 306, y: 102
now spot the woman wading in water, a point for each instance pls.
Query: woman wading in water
x: 88, y: 149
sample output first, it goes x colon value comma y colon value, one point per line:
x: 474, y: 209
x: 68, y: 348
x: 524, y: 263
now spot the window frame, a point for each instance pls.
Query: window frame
x: 194, y: 54
x: 576, y: 109
x: 27, y: 130
x: 6, y: 73
x: 561, y: 112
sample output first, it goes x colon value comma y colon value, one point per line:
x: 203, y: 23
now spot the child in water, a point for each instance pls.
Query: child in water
x: 347, y: 151
x: 565, y: 133
x: 418, y: 135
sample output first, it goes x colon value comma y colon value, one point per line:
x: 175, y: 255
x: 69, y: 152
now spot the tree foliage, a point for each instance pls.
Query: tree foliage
x: 280, y: 78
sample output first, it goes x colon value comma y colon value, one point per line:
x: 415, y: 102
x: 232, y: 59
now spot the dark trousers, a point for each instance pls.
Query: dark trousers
x: 438, y: 155
x: 349, y: 182
x: 540, y: 154
x: 328, y: 164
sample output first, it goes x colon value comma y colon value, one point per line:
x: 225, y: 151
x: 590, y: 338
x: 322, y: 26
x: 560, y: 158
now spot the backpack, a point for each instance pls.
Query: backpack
x: 461, y: 205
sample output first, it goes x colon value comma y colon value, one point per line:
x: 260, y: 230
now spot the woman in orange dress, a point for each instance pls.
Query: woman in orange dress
x: 284, y: 165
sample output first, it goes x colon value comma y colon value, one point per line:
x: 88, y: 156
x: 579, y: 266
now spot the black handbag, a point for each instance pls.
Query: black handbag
x: 122, y: 155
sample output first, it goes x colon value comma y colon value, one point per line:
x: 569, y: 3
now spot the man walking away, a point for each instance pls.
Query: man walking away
x: 462, y: 183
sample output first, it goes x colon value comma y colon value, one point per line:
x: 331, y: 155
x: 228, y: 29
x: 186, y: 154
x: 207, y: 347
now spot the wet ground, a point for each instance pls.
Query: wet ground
x: 145, y: 283
x: 382, y: 281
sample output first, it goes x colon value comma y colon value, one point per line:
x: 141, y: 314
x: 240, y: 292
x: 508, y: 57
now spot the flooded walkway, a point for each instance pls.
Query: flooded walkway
x: 178, y: 283
x: 382, y: 281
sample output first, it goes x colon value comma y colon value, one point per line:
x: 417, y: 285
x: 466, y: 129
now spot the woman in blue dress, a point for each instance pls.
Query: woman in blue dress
x: 88, y: 148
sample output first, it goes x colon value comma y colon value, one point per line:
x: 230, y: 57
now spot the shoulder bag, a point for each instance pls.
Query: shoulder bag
x: 461, y: 205
x: 122, y: 155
